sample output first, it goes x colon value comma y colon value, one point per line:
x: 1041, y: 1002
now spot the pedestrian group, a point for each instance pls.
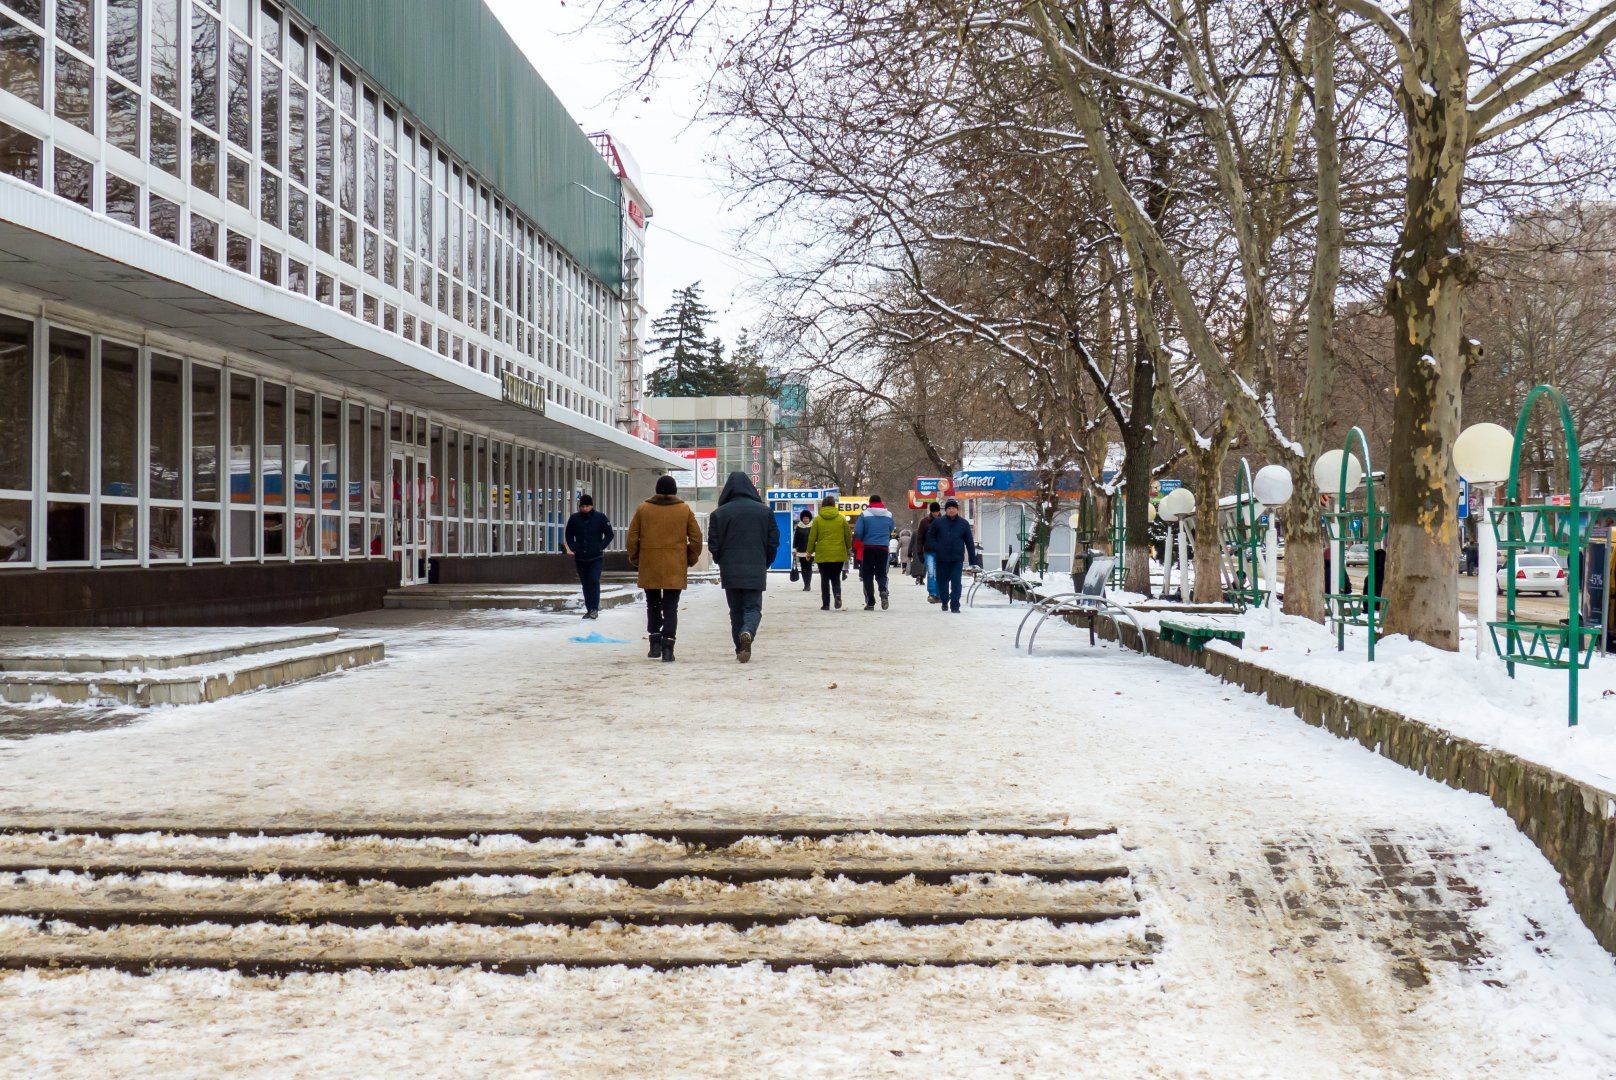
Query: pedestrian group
x: 664, y: 542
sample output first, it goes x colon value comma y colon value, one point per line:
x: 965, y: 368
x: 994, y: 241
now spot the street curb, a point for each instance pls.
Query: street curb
x: 1572, y: 823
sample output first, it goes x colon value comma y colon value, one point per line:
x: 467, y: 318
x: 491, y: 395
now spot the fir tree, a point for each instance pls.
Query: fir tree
x: 686, y: 361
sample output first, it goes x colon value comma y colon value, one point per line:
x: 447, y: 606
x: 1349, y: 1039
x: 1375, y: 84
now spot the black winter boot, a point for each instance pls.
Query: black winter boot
x: 667, y: 650
x: 656, y: 647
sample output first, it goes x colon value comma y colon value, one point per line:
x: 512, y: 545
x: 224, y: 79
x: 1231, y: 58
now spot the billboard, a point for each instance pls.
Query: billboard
x: 703, y: 470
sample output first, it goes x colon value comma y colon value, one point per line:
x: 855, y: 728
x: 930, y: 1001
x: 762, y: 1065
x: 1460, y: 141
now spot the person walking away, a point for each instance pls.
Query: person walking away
x: 950, y: 542
x: 874, y: 530
x: 586, y: 538
x: 830, y: 540
x: 742, y: 536
x: 664, y: 542
x: 905, y: 541
x: 799, y: 548
x: 928, y: 561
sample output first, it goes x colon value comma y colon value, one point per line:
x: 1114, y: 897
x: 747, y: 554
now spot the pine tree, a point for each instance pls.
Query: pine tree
x: 749, y: 374
x: 685, y: 359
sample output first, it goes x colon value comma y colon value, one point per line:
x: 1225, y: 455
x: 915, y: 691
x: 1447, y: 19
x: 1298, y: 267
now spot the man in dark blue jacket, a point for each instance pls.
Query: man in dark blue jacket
x: 951, y: 544
x: 743, y: 538
x: 587, y: 537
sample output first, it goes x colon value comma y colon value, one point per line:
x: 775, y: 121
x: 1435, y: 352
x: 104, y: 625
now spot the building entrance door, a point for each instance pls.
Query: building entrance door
x: 408, y: 518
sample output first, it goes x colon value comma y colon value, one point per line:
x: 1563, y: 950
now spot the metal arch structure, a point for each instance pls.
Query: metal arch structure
x: 1242, y: 531
x: 1567, y: 645
x: 1347, y: 608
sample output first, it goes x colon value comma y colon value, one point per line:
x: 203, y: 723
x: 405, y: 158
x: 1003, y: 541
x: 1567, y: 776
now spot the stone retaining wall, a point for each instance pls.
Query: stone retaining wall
x: 1572, y: 823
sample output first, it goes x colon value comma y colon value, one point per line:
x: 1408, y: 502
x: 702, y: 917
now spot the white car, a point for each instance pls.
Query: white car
x: 1535, y: 573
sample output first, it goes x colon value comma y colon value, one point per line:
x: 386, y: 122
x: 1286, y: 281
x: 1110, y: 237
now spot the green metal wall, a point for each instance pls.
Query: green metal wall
x: 453, y: 65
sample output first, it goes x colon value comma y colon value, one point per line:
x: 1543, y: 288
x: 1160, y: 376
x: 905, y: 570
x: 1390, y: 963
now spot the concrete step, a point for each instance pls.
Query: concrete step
x: 90, y: 649
x: 267, y: 904
x: 190, y: 685
x: 508, y: 597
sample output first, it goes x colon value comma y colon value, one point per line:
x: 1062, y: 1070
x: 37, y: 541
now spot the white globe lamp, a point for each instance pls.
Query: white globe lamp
x: 1176, y: 504
x: 1327, y: 472
x: 1481, y: 453
x: 1272, y: 485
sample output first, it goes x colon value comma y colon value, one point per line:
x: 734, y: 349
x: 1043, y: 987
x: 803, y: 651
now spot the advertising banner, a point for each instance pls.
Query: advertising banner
x: 703, y: 470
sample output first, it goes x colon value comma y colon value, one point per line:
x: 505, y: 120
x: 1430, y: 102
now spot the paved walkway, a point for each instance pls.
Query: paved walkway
x: 1321, y: 911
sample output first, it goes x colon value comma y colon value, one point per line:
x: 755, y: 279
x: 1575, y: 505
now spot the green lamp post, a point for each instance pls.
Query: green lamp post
x: 1243, y: 533
x: 1567, y: 645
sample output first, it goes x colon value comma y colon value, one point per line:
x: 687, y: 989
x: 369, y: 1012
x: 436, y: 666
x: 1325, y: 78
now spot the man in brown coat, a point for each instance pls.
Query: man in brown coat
x: 664, y: 542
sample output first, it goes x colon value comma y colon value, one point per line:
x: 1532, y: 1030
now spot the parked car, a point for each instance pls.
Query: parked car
x: 1357, y: 554
x: 1536, y: 573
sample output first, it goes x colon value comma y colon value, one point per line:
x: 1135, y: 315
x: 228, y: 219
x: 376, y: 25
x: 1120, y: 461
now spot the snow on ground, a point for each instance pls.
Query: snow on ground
x: 1254, y: 840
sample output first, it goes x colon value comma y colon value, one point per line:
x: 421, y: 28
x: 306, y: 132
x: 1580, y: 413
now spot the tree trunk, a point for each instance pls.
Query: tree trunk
x: 1208, y: 544
x: 1138, y: 439
x: 1426, y: 300
x: 1304, y: 549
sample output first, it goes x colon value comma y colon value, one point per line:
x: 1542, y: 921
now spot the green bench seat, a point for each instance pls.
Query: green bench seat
x: 1195, y: 638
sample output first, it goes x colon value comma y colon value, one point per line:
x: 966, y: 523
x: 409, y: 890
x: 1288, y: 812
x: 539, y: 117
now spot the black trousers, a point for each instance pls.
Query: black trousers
x: 589, y: 578
x: 830, y: 580
x: 745, y: 612
x: 805, y: 566
x: 662, y: 612
x: 873, y: 572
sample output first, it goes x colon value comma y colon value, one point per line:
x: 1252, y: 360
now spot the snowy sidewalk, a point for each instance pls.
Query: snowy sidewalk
x: 1322, y: 912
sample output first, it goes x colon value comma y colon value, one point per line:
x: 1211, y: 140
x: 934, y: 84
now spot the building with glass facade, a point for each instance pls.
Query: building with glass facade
x: 307, y: 298
x: 716, y: 436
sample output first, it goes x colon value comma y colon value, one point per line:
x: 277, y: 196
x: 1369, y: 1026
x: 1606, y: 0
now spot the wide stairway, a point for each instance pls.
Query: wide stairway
x: 169, y: 666
x: 332, y: 901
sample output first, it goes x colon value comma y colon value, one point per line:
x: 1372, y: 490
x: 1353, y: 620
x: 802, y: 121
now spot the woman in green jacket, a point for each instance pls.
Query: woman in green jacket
x: 830, y: 538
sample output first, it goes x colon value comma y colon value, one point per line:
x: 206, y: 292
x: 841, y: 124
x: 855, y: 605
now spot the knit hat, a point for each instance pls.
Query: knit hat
x: 667, y: 485
x: 951, y: 504
x: 875, y: 500
x: 586, y: 499
x: 932, y: 508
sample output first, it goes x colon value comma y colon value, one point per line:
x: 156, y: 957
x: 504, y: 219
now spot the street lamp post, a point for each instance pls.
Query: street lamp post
x: 1340, y: 473
x: 1272, y: 488
x: 1482, y: 454
x: 1177, y: 505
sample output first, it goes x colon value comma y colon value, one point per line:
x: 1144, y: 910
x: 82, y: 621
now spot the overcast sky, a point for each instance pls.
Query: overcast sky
x: 691, y: 233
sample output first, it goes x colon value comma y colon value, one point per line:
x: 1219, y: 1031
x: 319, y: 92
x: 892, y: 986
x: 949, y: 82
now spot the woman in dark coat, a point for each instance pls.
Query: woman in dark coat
x: 664, y: 542
x: 799, y: 547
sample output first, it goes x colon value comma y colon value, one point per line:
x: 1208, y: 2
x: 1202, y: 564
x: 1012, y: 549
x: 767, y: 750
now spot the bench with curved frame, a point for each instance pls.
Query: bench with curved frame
x: 1082, y: 603
x: 1027, y: 589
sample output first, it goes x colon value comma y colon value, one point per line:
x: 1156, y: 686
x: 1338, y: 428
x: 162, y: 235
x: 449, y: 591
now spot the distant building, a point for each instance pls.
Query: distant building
x: 717, y: 436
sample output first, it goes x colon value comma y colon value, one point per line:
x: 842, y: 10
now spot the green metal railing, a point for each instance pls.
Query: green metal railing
x: 1347, y: 525
x: 1243, y: 533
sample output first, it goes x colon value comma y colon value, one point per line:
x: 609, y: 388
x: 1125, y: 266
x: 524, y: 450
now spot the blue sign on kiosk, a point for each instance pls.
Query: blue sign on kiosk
x: 787, y: 503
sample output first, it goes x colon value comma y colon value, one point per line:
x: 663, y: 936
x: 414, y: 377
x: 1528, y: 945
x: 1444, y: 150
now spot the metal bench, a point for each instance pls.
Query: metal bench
x: 1195, y: 636
x: 1011, y: 576
x: 1089, y: 604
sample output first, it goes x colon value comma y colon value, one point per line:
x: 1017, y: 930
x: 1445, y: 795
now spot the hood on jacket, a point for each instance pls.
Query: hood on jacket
x: 829, y: 513
x: 877, y: 512
x: 739, y: 486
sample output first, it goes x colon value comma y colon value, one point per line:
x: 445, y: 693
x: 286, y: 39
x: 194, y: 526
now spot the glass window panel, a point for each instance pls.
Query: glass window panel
x: 324, y: 152
x: 204, y: 162
x: 324, y: 228
x: 346, y: 100
x: 238, y: 251
x: 243, y: 449
x: 297, y: 52
x: 323, y: 72
x: 372, y: 178
x: 204, y: 534
x: 16, y: 522
x: 123, y: 117
x: 297, y: 132
x: 274, y: 445
x: 74, y: 83
x: 120, y: 415
x: 204, y: 68
x: 269, y: 120
x: 297, y: 276
x: 378, y: 462
x: 330, y: 452
x: 165, y: 50
x: 239, y: 93
x: 166, y: 533
x: 350, y: 170
x: 302, y: 448
x: 355, y: 476
x: 269, y: 30
x: 164, y: 145
x: 68, y: 410
x: 123, y: 201
x: 243, y: 534
x: 240, y: 14
x: 204, y: 236
x: 269, y: 198
x: 166, y: 424
x: 75, y: 179
x: 205, y: 429
x: 22, y: 61
x: 237, y: 174
x: 120, y: 535
x: 20, y: 156
x: 274, y: 536
x: 269, y: 265
x: 348, y: 240
x: 16, y: 406
x: 369, y: 119
x: 123, y: 38
x: 297, y: 214
x: 75, y: 24
x: 163, y: 219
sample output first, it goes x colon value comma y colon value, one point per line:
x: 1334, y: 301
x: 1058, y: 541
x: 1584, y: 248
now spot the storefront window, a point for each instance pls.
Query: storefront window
x: 16, y: 410
x: 378, y: 466
x: 303, y: 448
x: 355, y: 477
x: 120, y: 414
x: 69, y: 413
x: 204, y: 433
x: 274, y: 445
x: 330, y: 452
x: 167, y: 419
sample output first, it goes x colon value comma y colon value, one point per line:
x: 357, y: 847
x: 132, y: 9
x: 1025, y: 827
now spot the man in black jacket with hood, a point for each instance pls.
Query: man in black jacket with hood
x: 743, y: 538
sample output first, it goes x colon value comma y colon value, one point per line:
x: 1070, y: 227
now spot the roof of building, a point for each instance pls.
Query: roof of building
x: 452, y: 64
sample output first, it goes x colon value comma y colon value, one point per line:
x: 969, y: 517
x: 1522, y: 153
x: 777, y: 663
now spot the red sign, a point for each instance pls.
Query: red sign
x: 635, y: 214
x: 645, y: 426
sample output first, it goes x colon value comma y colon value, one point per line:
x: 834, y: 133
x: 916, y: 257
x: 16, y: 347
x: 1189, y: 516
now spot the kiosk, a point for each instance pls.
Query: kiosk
x: 787, y: 503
